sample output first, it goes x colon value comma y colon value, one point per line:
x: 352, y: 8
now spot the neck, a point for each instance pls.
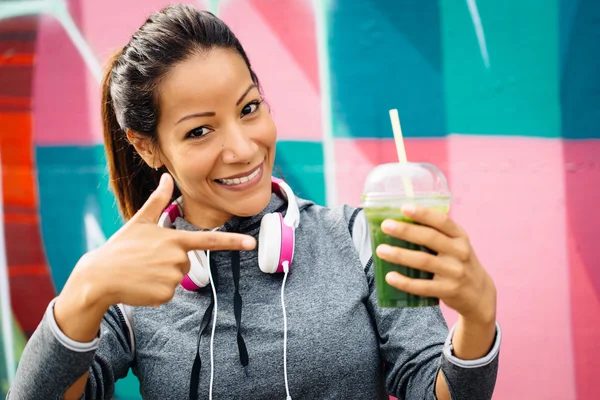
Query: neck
x: 204, y: 218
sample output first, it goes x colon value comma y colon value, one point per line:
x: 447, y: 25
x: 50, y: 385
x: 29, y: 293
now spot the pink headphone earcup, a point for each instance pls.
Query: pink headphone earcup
x: 287, y: 247
x: 269, y: 243
x: 197, y: 277
x: 188, y: 284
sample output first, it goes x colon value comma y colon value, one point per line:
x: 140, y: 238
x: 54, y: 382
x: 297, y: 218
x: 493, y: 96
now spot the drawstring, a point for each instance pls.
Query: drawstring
x: 286, y: 270
x: 237, y: 307
x: 237, y: 310
x: 195, y: 378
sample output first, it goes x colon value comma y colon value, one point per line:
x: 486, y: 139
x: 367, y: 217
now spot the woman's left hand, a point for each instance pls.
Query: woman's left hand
x: 460, y: 280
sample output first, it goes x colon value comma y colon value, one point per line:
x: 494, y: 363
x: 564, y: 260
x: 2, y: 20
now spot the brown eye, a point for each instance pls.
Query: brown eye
x: 198, y: 132
x: 250, y: 108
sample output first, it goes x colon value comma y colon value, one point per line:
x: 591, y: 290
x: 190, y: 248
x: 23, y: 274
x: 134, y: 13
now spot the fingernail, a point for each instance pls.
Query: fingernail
x: 383, y: 249
x: 163, y: 178
x: 388, y: 225
x: 408, y: 209
x: 248, y: 243
x: 391, y: 278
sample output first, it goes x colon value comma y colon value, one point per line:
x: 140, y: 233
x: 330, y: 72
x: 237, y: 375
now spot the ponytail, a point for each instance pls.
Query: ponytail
x: 131, y: 179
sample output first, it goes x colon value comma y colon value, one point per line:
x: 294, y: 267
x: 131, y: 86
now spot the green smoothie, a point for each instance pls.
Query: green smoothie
x: 389, y: 296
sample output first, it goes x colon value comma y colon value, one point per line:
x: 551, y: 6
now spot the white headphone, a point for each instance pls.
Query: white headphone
x: 275, y: 241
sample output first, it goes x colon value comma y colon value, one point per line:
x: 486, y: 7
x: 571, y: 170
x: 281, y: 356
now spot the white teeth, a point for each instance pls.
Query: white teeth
x: 237, y: 181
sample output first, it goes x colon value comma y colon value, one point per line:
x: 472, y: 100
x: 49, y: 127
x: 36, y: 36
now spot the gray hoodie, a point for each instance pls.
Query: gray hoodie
x: 340, y: 343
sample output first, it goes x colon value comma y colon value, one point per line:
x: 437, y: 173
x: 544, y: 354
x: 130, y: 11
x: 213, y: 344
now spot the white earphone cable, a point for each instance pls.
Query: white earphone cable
x: 287, y: 389
x: 212, y: 335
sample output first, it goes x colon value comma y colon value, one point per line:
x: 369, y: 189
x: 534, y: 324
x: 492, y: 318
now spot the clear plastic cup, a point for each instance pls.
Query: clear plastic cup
x: 389, y: 187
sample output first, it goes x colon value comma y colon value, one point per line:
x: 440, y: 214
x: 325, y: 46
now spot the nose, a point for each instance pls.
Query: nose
x: 238, y: 145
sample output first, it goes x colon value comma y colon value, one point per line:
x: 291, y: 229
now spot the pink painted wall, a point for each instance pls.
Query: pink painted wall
x: 528, y: 203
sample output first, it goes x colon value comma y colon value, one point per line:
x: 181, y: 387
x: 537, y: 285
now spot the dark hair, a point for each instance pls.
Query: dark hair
x: 129, y: 91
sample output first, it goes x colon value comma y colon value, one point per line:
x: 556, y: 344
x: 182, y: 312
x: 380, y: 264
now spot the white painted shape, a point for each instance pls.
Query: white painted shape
x: 474, y: 11
x: 319, y: 9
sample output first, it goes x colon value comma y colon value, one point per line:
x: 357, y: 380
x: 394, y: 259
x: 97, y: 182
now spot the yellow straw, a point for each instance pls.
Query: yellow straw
x: 408, y: 189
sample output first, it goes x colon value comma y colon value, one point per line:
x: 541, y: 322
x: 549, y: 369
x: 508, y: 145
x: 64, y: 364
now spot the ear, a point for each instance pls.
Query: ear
x: 145, y: 148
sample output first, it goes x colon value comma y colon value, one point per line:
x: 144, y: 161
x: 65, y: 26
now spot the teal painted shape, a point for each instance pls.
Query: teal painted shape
x: 383, y: 55
x: 71, y: 182
x: 301, y: 165
x: 519, y: 93
x: 580, y: 77
x: 111, y: 217
x: 128, y: 388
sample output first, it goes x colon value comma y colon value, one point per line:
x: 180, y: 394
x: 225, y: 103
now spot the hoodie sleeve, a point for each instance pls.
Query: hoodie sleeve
x: 415, y: 343
x: 52, y: 362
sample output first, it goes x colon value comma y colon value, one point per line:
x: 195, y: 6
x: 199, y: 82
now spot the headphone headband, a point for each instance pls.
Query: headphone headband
x: 292, y: 216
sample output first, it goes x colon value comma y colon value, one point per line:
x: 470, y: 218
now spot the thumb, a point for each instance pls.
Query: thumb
x: 157, y: 202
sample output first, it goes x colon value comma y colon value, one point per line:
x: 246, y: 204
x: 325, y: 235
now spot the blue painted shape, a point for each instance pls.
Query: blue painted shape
x: 383, y: 55
x: 301, y: 165
x: 567, y: 10
x: 580, y: 80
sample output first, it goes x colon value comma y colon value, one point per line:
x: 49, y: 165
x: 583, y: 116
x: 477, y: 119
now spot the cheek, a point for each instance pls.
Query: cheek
x: 268, y: 131
x: 196, y: 165
x: 189, y: 164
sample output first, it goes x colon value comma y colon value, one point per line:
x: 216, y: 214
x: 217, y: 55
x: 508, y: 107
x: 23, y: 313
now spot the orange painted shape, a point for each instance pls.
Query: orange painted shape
x: 18, y: 181
x: 15, y: 102
x: 17, y: 59
x: 18, y: 186
x: 15, y: 139
x: 20, y: 218
x: 27, y: 270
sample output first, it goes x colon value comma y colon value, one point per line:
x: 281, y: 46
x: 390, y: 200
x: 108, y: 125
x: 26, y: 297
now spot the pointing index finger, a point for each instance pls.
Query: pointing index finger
x: 215, y: 241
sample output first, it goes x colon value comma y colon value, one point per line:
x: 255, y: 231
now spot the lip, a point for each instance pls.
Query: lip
x: 243, y: 173
x: 242, y: 187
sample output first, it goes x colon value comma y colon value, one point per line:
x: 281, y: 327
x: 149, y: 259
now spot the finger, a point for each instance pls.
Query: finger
x: 214, y: 241
x: 421, y: 235
x: 419, y: 287
x: 417, y: 259
x: 157, y: 202
x: 433, y: 218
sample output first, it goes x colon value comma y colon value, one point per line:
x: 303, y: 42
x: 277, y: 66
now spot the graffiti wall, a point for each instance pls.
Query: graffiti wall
x: 502, y: 96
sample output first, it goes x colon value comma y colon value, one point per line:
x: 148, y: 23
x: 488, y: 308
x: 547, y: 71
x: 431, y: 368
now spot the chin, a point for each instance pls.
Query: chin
x: 254, y: 205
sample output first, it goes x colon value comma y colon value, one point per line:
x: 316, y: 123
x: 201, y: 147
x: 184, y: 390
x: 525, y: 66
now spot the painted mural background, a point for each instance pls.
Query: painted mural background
x: 504, y: 96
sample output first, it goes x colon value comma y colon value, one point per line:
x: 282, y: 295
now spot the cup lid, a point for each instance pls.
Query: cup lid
x: 402, y: 180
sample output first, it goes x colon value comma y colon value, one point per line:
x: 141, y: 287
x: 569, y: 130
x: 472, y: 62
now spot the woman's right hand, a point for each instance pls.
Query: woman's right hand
x: 142, y: 264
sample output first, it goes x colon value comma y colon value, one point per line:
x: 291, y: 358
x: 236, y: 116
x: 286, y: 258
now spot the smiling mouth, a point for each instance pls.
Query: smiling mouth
x: 240, y: 179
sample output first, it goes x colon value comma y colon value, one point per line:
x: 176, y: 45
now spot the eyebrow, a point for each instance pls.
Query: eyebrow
x: 243, y: 96
x: 212, y: 113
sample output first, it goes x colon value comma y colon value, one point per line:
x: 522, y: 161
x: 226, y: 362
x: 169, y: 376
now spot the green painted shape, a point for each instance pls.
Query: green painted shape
x: 519, y: 93
x: 18, y: 346
x: 301, y: 164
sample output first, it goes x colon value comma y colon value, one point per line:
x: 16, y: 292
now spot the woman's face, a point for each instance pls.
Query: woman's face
x: 216, y: 138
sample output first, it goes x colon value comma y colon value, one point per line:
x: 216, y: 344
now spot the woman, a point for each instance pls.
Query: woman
x: 184, y: 119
